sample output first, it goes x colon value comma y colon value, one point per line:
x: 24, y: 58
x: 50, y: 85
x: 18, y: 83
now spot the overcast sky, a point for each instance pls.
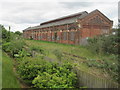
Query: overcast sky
x: 20, y: 14
x: 119, y: 10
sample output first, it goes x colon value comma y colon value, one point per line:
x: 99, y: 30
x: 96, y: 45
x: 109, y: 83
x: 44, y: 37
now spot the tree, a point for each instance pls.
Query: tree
x: 5, y: 34
x: 18, y: 33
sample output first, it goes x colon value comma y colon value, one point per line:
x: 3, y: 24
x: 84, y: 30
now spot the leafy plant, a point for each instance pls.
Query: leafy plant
x: 44, y: 74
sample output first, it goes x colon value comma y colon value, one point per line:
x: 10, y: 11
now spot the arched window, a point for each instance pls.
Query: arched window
x: 72, y: 27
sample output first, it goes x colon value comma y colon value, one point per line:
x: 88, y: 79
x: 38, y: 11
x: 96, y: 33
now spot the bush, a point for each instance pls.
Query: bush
x: 44, y: 74
x: 13, y: 47
x: 103, y: 44
x: 22, y: 53
x: 46, y: 80
x: 18, y: 33
x: 6, y: 46
x: 5, y: 34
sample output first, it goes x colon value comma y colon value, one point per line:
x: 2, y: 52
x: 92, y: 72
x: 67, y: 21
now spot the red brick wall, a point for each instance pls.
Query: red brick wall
x: 93, y: 25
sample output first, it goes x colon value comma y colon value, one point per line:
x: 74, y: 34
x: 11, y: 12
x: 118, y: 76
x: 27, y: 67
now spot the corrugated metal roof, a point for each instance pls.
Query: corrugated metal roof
x: 58, y: 21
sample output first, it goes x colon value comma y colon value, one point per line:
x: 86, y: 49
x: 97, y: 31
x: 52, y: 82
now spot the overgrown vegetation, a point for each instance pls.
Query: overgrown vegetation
x: 106, y: 45
x: 45, y: 64
x: 87, y: 57
x: 44, y: 74
x: 33, y: 68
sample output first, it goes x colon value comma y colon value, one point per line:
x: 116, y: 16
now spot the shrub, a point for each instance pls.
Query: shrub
x: 22, y: 53
x: 5, y: 34
x: 103, y: 44
x: 15, y: 47
x: 11, y: 43
x: 27, y: 69
x: 59, y: 77
x: 46, y: 80
x: 44, y: 74
x: 5, y: 47
x: 18, y: 33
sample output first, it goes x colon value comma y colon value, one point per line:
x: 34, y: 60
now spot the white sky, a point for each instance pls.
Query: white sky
x: 20, y: 14
x: 119, y: 12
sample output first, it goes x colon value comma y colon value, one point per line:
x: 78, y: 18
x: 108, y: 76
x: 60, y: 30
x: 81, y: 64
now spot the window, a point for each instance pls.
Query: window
x: 58, y: 38
x: 43, y: 35
x: 48, y: 37
x: 52, y: 37
x: 40, y: 37
x: 72, y: 35
x: 55, y: 36
x: 33, y: 36
x: 105, y: 31
x: 64, y: 35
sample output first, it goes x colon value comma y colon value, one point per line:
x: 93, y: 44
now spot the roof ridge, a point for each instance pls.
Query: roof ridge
x: 99, y: 12
x: 64, y: 17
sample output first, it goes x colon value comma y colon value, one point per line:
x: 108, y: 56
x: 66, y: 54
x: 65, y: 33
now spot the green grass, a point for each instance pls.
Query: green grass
x: 0, y: 69
x: 72, y: 49
x: 77, y: 50
x: 8, y: 77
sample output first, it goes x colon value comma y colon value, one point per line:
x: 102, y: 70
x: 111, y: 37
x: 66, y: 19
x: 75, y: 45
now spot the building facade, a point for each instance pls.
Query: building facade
x: 72, y: 29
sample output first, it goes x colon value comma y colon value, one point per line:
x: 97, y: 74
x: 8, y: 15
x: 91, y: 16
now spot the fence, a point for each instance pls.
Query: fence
x: 91, y: 81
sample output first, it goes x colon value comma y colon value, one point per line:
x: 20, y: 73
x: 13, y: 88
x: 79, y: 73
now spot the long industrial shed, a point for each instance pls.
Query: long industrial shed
x: 72, y: 29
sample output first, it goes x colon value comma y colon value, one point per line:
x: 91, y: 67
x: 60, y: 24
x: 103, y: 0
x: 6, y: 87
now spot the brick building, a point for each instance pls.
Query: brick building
x: 72, y: 29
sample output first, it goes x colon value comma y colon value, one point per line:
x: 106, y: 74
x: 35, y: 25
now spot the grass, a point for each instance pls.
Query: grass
x: 8, y: 77
x: 72, y: 49
x: 0, y: 69
x: 77, y: 50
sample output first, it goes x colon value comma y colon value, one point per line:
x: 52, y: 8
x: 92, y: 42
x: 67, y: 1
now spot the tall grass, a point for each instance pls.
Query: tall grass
x: 73, y: 49
x: 0, y: 69
x: 8, y: 78
x: 57, y: 52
